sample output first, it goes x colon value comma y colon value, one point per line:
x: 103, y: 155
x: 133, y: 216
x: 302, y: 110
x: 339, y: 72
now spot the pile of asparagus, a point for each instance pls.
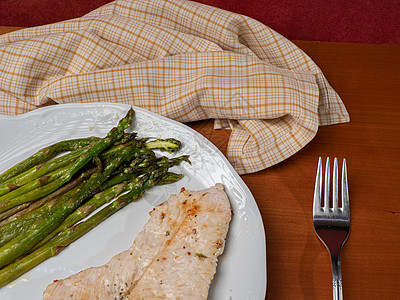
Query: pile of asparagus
x: 53, y: 197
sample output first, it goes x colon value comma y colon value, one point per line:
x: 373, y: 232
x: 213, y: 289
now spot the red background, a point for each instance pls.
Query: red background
x: 357, y: 21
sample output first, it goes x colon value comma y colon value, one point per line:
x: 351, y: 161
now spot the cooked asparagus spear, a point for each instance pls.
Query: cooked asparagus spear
x: 60, y: 242
x: 39, y: 171
x: 23, y: 220
x: 66, y: 173
x: 84, y: 210
x: 48, y: 230
x: 169, y: 145
x: 106, y: 196
x: 169, y: 178
x: 34, y: 190
x: 114, y: 134
x: 14, y: 229
x: 28, y: 239
x: 45, y: 154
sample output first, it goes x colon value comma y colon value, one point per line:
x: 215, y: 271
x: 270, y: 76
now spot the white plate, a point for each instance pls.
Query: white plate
x: 241, y: 272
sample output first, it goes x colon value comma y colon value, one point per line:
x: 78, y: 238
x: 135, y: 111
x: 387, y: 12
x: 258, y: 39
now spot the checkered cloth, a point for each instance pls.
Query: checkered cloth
x: 183, y: 60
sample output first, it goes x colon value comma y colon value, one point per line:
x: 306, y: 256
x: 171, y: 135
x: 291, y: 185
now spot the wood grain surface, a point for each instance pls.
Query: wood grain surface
x: 367, y: 78
x: 298, y: 266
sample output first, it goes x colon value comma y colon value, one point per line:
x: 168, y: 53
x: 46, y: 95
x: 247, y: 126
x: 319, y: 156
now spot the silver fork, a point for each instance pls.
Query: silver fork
x: 332, y: 223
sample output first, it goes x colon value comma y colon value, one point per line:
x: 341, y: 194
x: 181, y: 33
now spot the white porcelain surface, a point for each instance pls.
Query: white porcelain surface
x: 241, y: 272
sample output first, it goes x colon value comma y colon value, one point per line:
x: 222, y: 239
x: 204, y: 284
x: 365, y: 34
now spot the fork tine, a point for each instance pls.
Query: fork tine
x: 317, y: 189
x: 332, y: 225
x: 327, y: 184
x: 335, y: 186
x: 345, y: 188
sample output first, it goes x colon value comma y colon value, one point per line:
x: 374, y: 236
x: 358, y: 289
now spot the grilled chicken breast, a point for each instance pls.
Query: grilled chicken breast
x: 173, y: 257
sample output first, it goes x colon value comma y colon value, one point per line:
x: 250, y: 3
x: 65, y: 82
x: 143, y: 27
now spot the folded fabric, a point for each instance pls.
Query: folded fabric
x: 183, y: 60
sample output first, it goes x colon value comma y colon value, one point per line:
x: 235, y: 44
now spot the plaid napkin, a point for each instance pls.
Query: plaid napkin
x: 183, y: 60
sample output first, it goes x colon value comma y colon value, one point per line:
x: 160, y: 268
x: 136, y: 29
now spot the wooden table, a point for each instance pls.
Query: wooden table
x: 367, y: 78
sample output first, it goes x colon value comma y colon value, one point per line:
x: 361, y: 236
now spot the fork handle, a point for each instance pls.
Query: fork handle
x: 336, y: 277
